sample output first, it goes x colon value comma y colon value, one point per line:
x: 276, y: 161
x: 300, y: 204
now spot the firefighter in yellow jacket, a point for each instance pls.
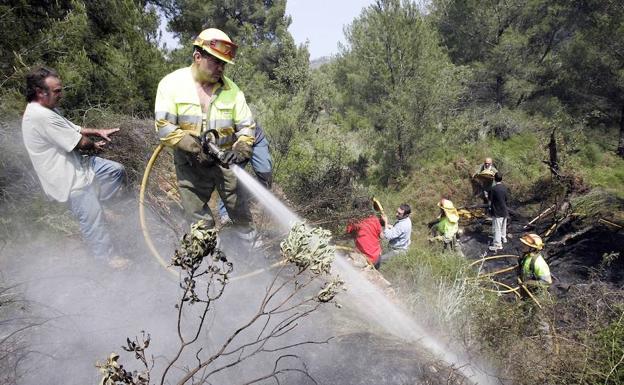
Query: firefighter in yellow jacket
x: 534, y: 270
x: 198, y: 99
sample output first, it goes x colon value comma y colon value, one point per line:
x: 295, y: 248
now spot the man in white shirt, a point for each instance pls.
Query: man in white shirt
x: 53, y: 144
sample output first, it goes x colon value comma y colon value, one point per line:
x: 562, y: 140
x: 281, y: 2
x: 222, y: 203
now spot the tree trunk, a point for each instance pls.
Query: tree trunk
x: 552, y: 151
x: 620, y: 149
x: 499, y: 91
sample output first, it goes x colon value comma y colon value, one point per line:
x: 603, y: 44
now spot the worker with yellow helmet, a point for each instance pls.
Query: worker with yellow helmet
x: 194, y: 101
x: 533, y: 267
x: 446, y: 226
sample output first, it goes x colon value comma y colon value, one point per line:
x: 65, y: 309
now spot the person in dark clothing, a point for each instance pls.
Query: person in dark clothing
x: 498, y: 206
x: 483, y: 180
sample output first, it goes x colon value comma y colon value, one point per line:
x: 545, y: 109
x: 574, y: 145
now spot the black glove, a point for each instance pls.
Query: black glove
x: 233, y: 157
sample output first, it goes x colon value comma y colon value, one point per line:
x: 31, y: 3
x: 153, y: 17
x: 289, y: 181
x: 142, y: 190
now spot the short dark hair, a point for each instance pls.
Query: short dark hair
x: 407, y: 210
x: 36, y: 79
x: 498, y: 177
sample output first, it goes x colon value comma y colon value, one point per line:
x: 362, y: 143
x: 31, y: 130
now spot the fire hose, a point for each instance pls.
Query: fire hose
x: 211, y: 149
x: 509, y: 288
x: 146, y: 234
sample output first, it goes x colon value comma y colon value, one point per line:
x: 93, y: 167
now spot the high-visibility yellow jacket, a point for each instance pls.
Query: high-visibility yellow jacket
x: 447, y: 228
x: 178, y: 111
x: 534, y: 266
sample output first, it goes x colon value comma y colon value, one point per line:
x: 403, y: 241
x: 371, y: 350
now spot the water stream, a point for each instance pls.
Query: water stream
x: 370, y: 301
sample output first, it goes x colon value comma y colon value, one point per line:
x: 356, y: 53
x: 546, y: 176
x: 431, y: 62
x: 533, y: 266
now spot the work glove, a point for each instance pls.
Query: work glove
x: 232, y: 157
x: 239, y: 153
x: 189, y: 143
x: 196, y: 156
x: 243, y: 149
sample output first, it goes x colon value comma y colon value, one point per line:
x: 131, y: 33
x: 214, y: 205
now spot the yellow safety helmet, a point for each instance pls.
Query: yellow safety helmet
x: 533, y: 240
x: 217, y: 43
x: 449, y: 210
x: 445, y: 204
x: 377, y: 205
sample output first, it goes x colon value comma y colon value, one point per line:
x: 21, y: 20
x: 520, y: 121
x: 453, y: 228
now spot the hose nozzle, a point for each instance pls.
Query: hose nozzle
x: 209, y: 146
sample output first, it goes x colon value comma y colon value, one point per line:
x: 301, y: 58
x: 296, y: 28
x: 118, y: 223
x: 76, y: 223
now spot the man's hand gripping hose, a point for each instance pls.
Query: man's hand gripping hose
x: 225, y: 158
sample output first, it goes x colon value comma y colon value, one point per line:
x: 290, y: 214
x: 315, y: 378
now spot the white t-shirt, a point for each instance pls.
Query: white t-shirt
x: 50, y: 140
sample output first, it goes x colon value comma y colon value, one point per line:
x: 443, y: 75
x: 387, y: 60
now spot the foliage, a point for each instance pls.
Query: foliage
x: 573, y: 339
x: 205, y: 273
x: 16, y: 324
x: 316, y: 177
x: 598, y: 166
x: 444, y: 283
x: 106, y: 52
x: 114, y: 374
x: 608, y: 354
x: 308, y: 248
x: 536, y: 54
x: 394, y: 72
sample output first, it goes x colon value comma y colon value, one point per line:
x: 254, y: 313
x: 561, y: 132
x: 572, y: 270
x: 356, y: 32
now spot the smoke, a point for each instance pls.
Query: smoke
x: 90, y: 309
x: 87, y: 310
x: 371, y: 303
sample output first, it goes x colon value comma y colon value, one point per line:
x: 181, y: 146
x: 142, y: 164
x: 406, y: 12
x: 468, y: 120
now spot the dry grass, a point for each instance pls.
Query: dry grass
x: 577, y: 338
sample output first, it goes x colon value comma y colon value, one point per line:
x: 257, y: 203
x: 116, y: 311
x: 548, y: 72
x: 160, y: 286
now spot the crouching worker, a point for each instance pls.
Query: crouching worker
x: 367, y: 232
x: 398, y: 235
x: 534, y: 271
x: 445, y: 228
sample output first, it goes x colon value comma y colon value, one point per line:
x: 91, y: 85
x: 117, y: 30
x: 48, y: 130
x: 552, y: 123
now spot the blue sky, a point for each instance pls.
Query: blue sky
x: 321, y: 22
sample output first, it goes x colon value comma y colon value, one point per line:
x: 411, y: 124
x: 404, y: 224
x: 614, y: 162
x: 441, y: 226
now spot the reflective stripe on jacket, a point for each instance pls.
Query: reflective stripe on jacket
x: 178, y: 111
x: 539, y: 270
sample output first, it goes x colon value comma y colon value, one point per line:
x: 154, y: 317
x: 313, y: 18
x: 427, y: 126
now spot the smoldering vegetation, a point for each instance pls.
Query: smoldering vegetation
x: 88, y: 311
x: 78, y: 312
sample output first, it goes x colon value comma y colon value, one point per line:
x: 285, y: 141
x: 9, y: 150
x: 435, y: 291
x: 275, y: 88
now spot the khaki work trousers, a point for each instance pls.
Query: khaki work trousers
x: 196, y: 183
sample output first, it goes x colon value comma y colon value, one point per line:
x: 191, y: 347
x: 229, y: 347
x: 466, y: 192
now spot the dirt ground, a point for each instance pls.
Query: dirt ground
x: 595, y: 255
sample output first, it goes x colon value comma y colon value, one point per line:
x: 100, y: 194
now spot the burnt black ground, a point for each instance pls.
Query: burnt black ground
x: 578, y: 261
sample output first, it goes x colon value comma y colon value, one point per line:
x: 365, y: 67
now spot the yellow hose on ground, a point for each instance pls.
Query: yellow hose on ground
x: 493, y: 257
x: 486, y: 275
x: 509, y: 289
x: 526, y: 289
x: 148, y: 238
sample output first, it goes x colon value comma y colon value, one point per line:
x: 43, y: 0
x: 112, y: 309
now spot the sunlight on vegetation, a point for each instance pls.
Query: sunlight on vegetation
x: 417, y: 96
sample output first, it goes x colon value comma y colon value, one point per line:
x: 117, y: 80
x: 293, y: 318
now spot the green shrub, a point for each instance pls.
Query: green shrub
x: 607, y: 356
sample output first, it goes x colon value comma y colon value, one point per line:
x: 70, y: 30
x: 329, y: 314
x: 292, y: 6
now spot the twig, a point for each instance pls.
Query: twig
x: 572, y: 236
x: 542, y: 214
